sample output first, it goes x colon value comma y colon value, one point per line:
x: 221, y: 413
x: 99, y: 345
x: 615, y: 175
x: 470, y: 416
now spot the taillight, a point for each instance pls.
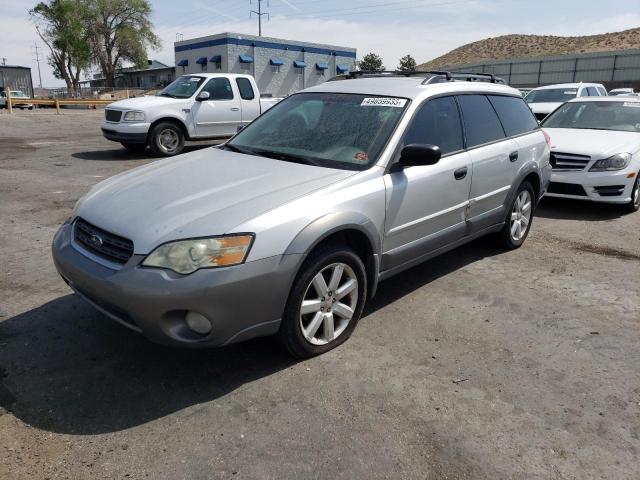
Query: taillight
x: 547, y: 138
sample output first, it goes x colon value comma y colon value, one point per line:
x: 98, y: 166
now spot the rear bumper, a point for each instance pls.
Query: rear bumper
x: 241, y: 302
x: 127, y: 133
x: 605, y: 187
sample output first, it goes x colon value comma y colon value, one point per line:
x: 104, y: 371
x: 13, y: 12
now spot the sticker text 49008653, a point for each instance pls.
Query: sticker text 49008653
x: 384, y: 102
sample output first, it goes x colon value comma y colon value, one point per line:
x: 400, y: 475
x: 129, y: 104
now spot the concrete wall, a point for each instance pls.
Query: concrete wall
x: 16, y: 78
x: 276, y: 81
x: 614, y: 69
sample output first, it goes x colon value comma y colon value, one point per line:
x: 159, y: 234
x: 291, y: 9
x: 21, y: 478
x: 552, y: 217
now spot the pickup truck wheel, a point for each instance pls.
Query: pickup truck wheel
x: 325, y: 302
x: 519, y: 218
x: 134, y: 147
x: 634, y: 204
x: 166, y: 139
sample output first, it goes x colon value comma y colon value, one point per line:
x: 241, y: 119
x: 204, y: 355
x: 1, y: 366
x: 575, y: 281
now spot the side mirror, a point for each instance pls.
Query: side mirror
x: 418, y: 154
x: 203, y: 96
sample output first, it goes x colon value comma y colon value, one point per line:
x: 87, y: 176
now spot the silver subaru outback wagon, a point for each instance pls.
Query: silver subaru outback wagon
x: 288, y: 227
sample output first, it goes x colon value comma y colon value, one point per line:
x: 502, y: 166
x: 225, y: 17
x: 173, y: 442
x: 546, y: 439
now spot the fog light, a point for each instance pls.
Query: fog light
x: 198, y: 323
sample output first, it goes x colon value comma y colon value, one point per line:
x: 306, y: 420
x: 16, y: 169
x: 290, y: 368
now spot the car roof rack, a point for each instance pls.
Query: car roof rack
x: 431, y: 76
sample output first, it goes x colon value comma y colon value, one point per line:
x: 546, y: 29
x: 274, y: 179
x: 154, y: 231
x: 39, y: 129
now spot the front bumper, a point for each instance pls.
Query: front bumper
x: 125, y: 132
x: 241, y: 302
x: 605, y: 187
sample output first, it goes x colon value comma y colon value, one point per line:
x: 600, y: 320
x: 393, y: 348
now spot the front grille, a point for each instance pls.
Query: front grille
x: 102, y: 243
x: 112, y: 115
x: 566, y: 189
x: 610, y: 190
x: 569, y: 162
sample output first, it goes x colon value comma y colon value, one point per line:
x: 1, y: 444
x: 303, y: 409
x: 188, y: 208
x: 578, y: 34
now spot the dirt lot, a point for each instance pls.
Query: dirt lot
x: 477, y: 365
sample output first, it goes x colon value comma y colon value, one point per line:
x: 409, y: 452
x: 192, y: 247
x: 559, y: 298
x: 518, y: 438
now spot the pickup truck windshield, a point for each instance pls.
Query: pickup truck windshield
x: 345, y: 131
x: 182, y: 87
x: 621, y: 116
x: 551, y: 95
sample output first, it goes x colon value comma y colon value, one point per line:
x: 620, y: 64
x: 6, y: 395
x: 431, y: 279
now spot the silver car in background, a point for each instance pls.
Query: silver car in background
x: 288, y: 227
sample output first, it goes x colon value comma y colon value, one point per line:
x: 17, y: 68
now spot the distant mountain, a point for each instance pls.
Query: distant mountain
x: 522, y: 46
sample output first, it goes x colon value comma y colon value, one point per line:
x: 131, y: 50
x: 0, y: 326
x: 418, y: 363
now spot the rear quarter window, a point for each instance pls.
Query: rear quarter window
x: 246, y: 90
x: 481, y: 122
x: 514, y: 114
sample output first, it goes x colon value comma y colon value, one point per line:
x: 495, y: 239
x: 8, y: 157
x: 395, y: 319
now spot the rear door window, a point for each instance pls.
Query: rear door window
x: 603, y: 92
x: 593, y: 92
x: 246, y: 90
x: 437, y: 123
x: 514, y: 114
x: 481, y: 122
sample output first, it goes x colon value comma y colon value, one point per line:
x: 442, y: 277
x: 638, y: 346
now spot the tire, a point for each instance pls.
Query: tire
x: 634, y: 204
x: 306, y: 335
x: 134, y: 147
x: 519, y: 218
x: 166, y: 139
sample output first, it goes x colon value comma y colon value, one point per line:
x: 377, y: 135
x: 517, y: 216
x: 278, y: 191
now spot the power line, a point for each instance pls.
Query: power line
x: 38, y: 61
x: 260, y: 14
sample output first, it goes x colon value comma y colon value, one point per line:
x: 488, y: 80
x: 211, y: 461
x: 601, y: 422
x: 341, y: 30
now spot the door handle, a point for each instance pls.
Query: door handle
x: 460, y: 173
x: 513, y: 156
x: 235, y: 109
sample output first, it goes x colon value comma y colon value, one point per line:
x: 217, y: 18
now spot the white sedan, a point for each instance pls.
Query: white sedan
x: 595, y: 150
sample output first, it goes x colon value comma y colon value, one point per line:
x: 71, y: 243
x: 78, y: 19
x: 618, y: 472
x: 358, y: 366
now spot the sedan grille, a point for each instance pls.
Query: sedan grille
x: 112, y: 115
x: 568, y: 162
x: 102, y: 243
x: 567, y: 189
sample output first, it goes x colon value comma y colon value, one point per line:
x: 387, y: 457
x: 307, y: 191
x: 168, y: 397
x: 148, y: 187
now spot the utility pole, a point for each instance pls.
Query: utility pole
x: 260, y: 14
x: 38, y: 61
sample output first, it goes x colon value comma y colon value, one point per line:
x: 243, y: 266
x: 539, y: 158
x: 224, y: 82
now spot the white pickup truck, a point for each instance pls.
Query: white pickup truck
x: 194, y: 107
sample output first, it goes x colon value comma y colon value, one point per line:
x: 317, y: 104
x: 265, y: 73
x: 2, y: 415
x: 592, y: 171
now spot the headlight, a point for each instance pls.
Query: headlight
x: 617, y: 162
x: 187, y: 256
x: 134, y: 117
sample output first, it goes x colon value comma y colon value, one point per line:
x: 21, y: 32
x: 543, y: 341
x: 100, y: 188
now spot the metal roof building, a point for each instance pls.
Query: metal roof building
x: 16, y: 78
x: 280, y: 67
x: 615, y: 69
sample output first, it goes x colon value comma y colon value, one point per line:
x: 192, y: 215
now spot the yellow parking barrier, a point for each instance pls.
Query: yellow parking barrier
x: 57, y: 103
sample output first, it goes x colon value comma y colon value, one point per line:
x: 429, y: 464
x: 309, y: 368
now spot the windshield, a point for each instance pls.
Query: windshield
x: 332, y: 130
x: 17, y: 93
x: 182, y: 87
x: 551, y: 95
x: 621, y: 116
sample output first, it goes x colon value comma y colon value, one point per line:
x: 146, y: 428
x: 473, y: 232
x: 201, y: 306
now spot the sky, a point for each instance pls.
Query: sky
x: 392, y: 28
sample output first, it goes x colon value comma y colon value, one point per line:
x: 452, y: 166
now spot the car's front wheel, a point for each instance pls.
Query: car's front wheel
x: 519, y: 218
x: 634, y: 203
x: 166, y: 139
x: 325, y: 302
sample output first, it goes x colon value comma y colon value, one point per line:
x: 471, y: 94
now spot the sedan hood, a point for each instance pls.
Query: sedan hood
x: 203, y: 193
x: 594, y: 143
x: 544, y: 107
x: 140, y: 103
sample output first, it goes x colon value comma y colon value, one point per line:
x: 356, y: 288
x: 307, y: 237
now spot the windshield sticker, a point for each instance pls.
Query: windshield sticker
x: 361, y: 157
x: 194, y: 79
x: 631, y: 104
x: 384, y: 102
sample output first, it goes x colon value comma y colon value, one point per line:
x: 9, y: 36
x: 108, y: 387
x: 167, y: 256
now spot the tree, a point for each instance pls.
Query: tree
x: 63, y: 31
x: 407, y: 64
x: 121, y: 31
x: 371, y: 62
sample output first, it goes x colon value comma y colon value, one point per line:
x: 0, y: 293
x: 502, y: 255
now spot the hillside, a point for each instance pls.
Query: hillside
x: 517, y: 46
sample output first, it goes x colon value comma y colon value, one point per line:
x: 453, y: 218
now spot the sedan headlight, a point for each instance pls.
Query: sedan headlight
x: 133, y: 116
x: 187, y: 256
x: 617, y: 162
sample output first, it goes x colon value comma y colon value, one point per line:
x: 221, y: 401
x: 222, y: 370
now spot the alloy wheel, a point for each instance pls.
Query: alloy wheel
x: 168, y: 140
x: 328, y: 304
x: 520, y: 216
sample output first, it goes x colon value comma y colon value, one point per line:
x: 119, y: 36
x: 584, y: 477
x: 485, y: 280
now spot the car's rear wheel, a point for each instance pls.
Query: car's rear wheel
x: 634, y: 203
x: 519, y: 219
x: 325, y: 302
x: 134, y: 147
x: 166, y: 139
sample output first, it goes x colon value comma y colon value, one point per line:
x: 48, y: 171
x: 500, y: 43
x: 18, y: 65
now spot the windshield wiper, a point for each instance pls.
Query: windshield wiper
x: 166, y: 95
x: 287, y: 157
x: 233, y: 148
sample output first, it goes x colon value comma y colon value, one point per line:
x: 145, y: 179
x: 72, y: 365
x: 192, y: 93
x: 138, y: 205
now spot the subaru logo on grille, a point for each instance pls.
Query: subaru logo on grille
x: 95, y: 241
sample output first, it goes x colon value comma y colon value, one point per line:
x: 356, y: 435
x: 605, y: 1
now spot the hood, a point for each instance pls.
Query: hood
x: 207, y: 192
x: 544, y: 107
x: 141, y: 103
x: 595, y: 143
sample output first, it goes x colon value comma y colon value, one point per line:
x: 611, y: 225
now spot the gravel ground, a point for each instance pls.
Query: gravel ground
x: 479, y: 364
